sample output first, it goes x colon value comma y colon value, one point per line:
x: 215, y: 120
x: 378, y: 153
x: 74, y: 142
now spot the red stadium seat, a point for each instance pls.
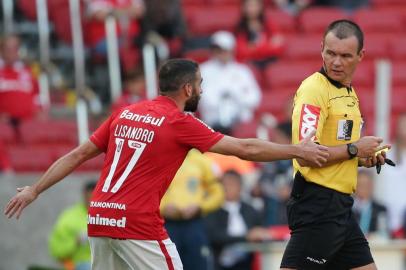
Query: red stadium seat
x: 285, y: 21
x: 399, y: 74
x: 25, y: 159
x: 398, y: 48
x: 364, y: 75
x: 276, y: 102
x: 204, y: 21
x: 284, y: 75
x: 49, y: 132
x: 224, y: 2
x: 315, y: 20
x: 303, y: 47
x: 379, y: 21
x: 6, y: 133
x: 398, y: 99
x: 28, y: 7
x: 376, y: 46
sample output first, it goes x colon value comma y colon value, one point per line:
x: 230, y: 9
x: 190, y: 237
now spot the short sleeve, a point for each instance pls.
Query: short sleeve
x: 194, y: 133
x: 101, y: 136
x: 310, y: 109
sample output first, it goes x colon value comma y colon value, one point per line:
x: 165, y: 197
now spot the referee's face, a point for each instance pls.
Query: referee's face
x: 341, y: 57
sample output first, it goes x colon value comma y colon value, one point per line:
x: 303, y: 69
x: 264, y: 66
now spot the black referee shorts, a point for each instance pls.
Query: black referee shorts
x: 325, y: 234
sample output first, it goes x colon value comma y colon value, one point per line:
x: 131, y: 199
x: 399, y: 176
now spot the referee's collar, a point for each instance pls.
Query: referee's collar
x: 334, y: 82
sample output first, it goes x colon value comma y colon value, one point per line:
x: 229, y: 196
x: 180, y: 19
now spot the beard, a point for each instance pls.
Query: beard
x: 192, y: 103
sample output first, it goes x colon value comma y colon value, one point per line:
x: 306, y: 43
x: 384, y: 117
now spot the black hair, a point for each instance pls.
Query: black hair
x: 242, y: 26
x: 233, y: 173
x: 344, y: 29
x: 174, y: 73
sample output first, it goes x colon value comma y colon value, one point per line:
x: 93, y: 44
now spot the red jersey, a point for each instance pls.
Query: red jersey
x: 260, y: 49
x: 18, y: 90
x: 145, y: 145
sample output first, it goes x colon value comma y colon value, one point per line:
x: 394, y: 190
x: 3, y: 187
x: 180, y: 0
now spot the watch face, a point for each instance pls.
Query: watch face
x: 352, y: 149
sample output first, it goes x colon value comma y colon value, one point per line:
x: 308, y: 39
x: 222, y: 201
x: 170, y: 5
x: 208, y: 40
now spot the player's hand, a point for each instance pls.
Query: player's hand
x: 369, y: 162
x: 368, y: 145
x: 315, y: 155
x: 16, y: 205
x: 171, y: 211
x: 191, y: 211
x: 258, y: 234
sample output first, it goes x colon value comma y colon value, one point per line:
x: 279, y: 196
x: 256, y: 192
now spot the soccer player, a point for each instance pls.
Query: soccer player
x: 145, y: 144
x: 325, y: 235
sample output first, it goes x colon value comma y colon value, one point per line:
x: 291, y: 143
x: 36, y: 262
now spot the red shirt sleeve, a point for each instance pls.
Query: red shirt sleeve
x: 101, y: 136
x: 194, y: 133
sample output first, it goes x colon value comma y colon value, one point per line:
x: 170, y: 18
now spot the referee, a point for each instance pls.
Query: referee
x: 325, y: 235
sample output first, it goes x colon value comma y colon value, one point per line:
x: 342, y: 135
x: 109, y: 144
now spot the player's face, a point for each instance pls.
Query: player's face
x: 341, y: 57
x: 193, y: 102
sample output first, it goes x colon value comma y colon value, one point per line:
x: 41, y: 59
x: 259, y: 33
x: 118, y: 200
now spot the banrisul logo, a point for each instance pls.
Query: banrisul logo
x: 147, y: 119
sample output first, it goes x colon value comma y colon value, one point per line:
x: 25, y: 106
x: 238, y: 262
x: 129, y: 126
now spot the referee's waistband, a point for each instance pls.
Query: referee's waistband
x: 300, y: 184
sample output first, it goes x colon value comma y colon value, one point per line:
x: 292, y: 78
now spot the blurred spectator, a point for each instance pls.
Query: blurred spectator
x: 235, y: 223
x: 258, y: 39
x: 164, y: 26
x: 370, y: 214
x: 19, y: 97
x: 226, y: 163
x: 392, y: 190
x: 134, y: 89
x: 194, y: 192
x: 68, y: 241
x: 292, y: 6
x: 231, y: 93
x: 127, y: 13
x: 275, y: 181
x: 347, y: 5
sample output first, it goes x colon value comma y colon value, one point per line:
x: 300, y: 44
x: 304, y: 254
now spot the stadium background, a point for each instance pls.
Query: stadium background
x: 55, y: 131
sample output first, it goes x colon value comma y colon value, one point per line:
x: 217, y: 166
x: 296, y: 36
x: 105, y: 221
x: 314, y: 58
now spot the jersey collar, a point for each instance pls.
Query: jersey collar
x: 334, y: 82
x: 167, y: 101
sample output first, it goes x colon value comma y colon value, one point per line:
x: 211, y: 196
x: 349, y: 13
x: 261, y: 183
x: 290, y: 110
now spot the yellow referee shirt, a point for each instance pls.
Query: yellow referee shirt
x: 195, y: 183
x: 333, y: 109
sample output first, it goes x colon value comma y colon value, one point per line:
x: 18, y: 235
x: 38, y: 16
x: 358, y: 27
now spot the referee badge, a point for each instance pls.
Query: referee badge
x: 344, y: 130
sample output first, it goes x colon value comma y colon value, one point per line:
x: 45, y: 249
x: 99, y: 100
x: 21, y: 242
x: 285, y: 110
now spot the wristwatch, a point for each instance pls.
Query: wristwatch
x: 352, y: 150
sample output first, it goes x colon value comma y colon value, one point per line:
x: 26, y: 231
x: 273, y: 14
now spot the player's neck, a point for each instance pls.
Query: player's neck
x: 178, y: 101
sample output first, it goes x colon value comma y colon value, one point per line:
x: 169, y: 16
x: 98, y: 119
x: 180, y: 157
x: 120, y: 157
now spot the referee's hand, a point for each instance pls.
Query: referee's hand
x: 368, y: 145
x: 314, y: 154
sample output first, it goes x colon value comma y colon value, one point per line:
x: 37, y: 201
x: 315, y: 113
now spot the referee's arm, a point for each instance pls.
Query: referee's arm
x: 367, y: 146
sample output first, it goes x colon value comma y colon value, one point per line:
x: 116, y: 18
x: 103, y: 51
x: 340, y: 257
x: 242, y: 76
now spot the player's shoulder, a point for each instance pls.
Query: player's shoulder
x: 315, y: 84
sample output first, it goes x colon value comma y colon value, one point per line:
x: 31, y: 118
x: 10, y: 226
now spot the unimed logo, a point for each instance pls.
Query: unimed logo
x: 104, y: 221
x: 309, y: 119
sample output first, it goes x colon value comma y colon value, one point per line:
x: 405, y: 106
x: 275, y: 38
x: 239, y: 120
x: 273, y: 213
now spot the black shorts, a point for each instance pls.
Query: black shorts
x: 325, y: 234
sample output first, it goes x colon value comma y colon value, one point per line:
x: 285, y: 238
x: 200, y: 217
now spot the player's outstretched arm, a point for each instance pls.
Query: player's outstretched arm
x: 260, y: 150
x: 56, y: 172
